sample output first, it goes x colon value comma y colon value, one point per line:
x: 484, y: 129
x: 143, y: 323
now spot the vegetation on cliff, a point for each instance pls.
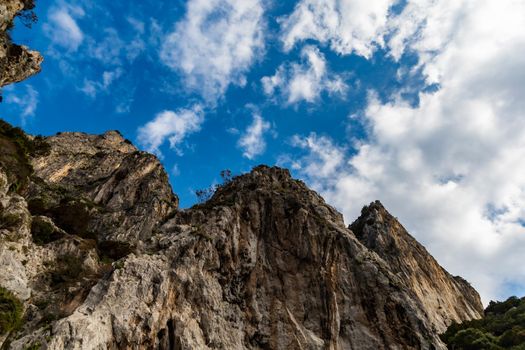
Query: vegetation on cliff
x: 16, y: 150
x: 10, y: 311
x: 502, y: 327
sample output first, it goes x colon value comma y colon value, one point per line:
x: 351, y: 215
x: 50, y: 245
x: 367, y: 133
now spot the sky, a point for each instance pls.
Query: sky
x: 417, y: 103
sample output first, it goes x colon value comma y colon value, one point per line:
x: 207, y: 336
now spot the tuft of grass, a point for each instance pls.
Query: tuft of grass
x: 11, y: 310
x: 16, y: 149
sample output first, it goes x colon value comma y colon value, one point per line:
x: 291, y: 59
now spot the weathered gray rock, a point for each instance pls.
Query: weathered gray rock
x: 130, y: 187
x: 443, y: 297
x: 264, y: 264
x: 93, y: 243
x: 16, y: 62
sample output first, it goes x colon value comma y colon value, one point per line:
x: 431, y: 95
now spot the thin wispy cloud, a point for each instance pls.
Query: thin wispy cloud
x: 62, y: 27
x: 26, y: 102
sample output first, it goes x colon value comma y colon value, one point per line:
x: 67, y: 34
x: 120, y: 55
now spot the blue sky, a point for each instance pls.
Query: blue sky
x: 416, y: 103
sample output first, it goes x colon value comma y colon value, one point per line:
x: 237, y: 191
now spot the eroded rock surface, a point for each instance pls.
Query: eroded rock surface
x: 16, y: 62
x: 443, y: 297
x: 94, y: 245
x: 264, y: 264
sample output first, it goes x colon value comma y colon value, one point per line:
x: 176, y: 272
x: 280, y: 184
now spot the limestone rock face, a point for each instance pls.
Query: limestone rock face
x: 444, y: 298
x: 16, y: 62
x: 264, y: 264
x: 129, y: 188
x: 93, y: 243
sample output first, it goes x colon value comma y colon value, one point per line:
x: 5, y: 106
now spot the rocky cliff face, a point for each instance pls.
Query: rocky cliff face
x: 96, y: 254
x: 16, y: 62
x: 93, y: 243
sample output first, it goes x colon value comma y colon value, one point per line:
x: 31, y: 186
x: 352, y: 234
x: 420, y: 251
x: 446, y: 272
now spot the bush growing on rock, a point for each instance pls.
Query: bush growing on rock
x: 503, y: 327
x: 10, y: 311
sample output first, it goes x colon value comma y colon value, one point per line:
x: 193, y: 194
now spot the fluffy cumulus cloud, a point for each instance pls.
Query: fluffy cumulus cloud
x: 348, y: 26
x: 252, y: 140
x: 304, y: 81
x: 171, y: 126
x: 62, y: 27
x: 451, y: 168
x: 215, y: 44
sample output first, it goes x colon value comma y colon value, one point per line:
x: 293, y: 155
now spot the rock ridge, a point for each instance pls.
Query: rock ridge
x: 103, y: 258
x: 17, y: 62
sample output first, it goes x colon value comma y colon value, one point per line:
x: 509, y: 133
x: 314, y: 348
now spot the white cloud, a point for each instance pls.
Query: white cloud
x: 305, y: 81
x: 252, y: 140
x: 348, y: 26
x: 26, y: 103
x: 215, y: 44
x: 92, y: 88
x: 323, y: 159
x: 171, y: 126
x: 62, y: 28
x: 175, y: 171
x: 452, y: 167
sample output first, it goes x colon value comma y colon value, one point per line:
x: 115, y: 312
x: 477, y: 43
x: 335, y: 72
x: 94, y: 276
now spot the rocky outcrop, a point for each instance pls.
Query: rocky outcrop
x: 125, y: 192
x: 444, y: 298
x: 16, y: 62
x: 92, y: 242
x: 264, y: 264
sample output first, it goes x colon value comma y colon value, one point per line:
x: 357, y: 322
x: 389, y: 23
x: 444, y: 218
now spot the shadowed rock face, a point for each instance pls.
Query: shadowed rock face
x: 264, y: 264
x: 16, y: 62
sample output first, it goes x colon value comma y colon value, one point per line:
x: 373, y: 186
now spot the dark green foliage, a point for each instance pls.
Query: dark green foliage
x: 205, y: 194
x: 44, y: 232
x: 16, y: 149
x: 69, y: 269
x: 10, y: 311
x: 27, y: 15
x: 10, y: 220
x: 503, y: 327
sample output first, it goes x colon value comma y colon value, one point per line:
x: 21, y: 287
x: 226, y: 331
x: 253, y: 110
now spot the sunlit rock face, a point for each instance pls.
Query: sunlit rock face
x: 16, y: 62
x: 264, y: 264
x: 95, y: 248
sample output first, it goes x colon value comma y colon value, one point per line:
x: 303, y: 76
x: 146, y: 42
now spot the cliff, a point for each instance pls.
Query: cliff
x: 17, y: 62
x: 93, y: 243
x: 96, y: 254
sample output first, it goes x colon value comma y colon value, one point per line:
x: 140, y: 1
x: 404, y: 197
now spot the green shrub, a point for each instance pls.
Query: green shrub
x: 11, y: 310
x: 503, y: 327
x: 44, y: 232
x: 34, y: 346
x: 16, y: 149
x: 9, y: 220
x: 69, y: 268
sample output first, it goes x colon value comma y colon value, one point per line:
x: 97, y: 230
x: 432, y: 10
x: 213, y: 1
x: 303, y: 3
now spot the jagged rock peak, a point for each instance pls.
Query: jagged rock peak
x: 16, y: 62
x: 100, y: 256
x: 274, y: 182
x: 444, y: 297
